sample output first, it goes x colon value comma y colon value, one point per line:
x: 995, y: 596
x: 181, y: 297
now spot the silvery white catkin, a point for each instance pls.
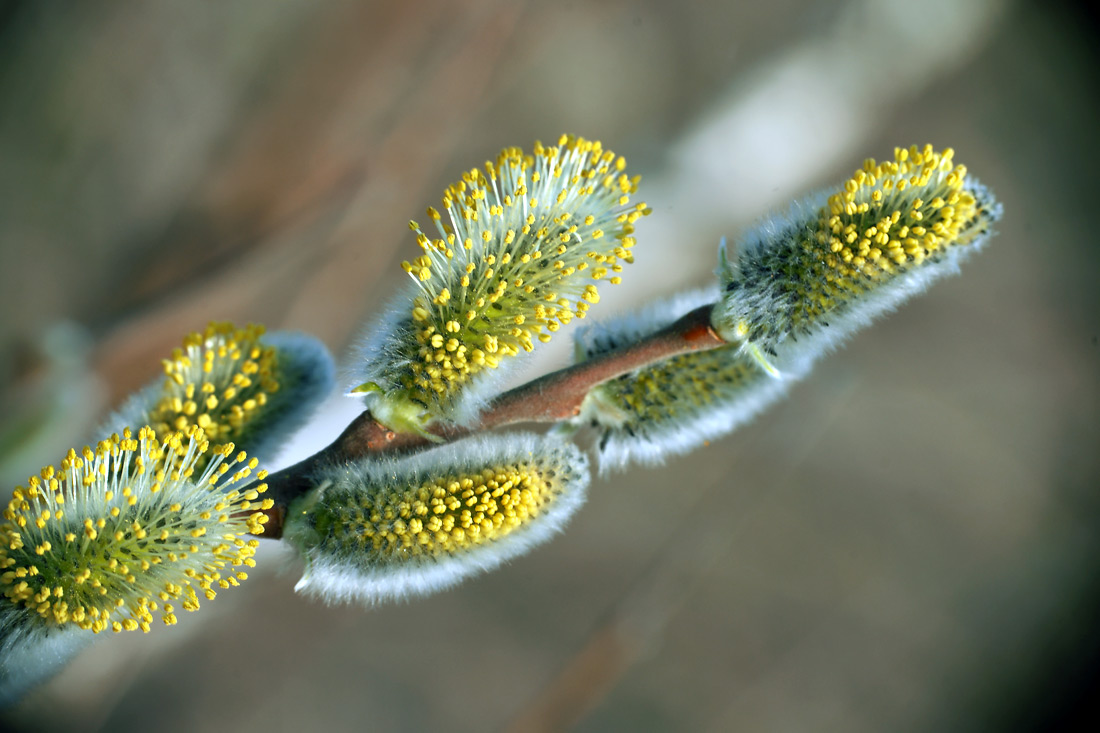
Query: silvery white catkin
x: 31, y: 654
x: 676, y: 405
x: 386, y: 527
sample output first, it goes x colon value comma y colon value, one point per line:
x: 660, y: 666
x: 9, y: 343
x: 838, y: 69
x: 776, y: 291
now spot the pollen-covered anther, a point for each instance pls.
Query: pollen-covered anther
x: 884, y: 234
x: 672, y: 406
x: 448, y: 513
x: 529, y: 225
x: 218, y: 380
x: 415, y: 524
x: 118, y: 549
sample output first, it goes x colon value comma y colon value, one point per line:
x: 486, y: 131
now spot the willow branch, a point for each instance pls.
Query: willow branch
x: 551, y: 398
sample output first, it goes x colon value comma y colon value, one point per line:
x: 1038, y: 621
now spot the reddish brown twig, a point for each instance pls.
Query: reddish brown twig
x: 551, y: 398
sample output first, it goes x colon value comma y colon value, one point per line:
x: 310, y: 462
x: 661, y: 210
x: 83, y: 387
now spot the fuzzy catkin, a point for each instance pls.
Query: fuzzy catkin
x: 797, y: 287
x: 265, y: 386
x: 522, y: 248
x: 802, y: 283
x: 676, y: 405
x: 114, y: 535
x: 394, y: 527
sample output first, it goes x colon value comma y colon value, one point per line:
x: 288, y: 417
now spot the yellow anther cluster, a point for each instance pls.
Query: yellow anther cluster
x: 440, y: 515
x: 659, y: 397
x: 888, y: 219
x: 896, y: 213
x: 120, y: 532
x: 675, y: 405
x: 217, y: 381
x: 521, y: 247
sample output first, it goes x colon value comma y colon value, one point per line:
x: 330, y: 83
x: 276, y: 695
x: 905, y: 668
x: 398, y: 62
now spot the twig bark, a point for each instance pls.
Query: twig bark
x: 551, y: 398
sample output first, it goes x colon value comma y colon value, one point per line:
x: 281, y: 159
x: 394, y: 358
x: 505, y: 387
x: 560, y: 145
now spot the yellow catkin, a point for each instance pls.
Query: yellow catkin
x: 218, y: 381
x: 452, y: 502
x: 518, y: 250
x: 446, y: 514
x: 892, y: 215
x: 889, y: 219
x: 118, y: 533
x: 661, y: 396
x: 392, y: 527
x: 674, y: 405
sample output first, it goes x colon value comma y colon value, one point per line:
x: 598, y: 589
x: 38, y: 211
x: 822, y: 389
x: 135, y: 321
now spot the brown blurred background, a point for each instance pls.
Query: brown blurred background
x: 909, y: 542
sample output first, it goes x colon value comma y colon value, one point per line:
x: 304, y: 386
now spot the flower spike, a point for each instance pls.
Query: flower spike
x: 390, y: 528
x: 116, y: 534
x: 803, y: 283
x: 239, y: 385
x: 676, y: 405
x: 517, y: 251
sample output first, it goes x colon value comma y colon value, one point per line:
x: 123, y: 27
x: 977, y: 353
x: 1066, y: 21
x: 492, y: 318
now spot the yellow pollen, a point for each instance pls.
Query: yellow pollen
x: 479, y: 300
x: 100, y: 578
x: 228, y: 365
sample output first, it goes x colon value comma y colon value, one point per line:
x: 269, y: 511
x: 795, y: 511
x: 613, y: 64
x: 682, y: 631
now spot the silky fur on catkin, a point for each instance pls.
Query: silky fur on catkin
x: 385, y: 528
x: 800, y: 284
x: 674, y: 406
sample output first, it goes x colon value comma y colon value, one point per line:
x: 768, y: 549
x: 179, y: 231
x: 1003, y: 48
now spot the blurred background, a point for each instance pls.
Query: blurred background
x: 908, y: 542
